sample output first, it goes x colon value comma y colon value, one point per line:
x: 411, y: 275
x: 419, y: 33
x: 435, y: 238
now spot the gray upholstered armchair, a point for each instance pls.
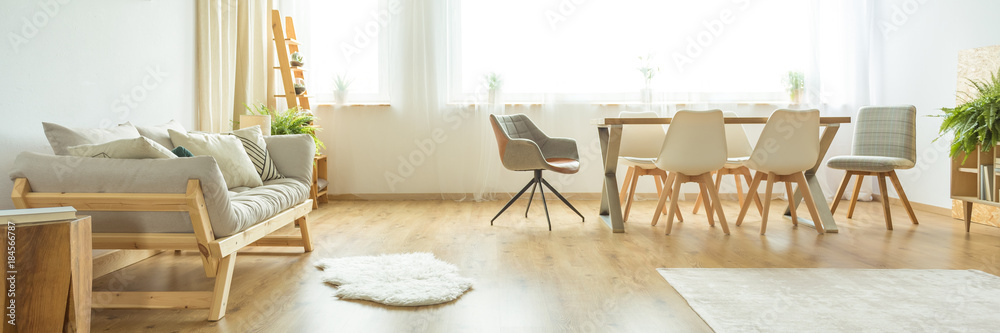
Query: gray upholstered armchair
x: 524, y: 147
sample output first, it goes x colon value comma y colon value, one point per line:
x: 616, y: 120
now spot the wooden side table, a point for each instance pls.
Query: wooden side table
x: 320, y: 181
x: 50, y: 276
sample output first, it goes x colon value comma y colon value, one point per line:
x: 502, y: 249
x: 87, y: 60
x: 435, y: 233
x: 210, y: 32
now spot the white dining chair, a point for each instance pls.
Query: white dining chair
x: 640, y: 146
x: 695, y: 145
x: 739, y: 152
x: 788, y: 146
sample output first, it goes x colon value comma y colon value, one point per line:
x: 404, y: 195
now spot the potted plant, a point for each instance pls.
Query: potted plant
x: 291, y: 121
x: 795, y: 84
x: 648, y: 71
x: 341, y: 83
x: 493, y: 84
x: 296, y: 60
x: 300, y: 86
x: 255, y: 116
x: 976, y: 122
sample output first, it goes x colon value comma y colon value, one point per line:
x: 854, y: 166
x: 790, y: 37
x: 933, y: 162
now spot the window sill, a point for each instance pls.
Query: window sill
x: 355, y: 104
x: 636, y: 103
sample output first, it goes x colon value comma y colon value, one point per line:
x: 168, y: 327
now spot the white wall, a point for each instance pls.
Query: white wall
x: 76, y: 62
x: 917, y: 64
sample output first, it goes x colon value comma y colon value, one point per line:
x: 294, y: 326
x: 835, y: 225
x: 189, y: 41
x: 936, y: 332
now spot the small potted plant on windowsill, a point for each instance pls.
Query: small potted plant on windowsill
x: 493, y: 84
x: 648, y: 71
x: 795, y: 84
x: 341, y: 83
x: 296, y: 60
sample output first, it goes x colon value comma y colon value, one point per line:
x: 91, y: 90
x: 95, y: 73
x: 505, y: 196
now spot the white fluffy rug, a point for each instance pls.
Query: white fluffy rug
x: 410, y: 279
x: 840, y: 300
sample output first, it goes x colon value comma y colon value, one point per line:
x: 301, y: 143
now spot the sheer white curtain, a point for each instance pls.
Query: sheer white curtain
x: 232, y: 60
x: 838, y: 79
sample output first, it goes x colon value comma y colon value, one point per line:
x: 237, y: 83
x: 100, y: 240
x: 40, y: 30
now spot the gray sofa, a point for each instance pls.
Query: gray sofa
x: 175, y: 204
x: 230, y: 210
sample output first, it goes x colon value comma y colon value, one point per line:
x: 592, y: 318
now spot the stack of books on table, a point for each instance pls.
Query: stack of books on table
x: 37, y: 215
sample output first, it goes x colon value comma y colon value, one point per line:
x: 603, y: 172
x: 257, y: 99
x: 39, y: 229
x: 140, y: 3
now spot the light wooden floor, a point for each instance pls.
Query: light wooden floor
x: 578, y: 277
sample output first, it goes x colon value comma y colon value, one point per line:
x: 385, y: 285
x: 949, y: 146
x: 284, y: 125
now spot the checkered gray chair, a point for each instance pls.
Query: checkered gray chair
x: 884, y: 140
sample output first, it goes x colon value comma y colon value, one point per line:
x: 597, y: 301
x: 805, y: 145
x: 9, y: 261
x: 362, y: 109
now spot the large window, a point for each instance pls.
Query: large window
x: 733, y: 50
x: 346, y: 38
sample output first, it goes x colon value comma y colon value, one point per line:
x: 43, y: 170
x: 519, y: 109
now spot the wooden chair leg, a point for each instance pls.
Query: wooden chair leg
x: 767, y: 202
x: 713, y: 193
x: 752, y: 190
x: 675, y: 192
x: 746, y: 174
x: 808, y: 199
x: 223, y: 281
x: 623, y: 194
x: 663, y: 199
x: 902, y: 196
x: 631, y: 195
x: 791, y: 202
x: 840, y: 192
x: 307, y: 243
x: 885, y: 199
x: 700, y: 199
x: 854, y: 197
x: 705, y: 201
x: 739, y: 189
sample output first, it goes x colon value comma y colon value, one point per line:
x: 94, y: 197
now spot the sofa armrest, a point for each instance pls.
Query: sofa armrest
x: 292, y: 155
x: 73, y: 174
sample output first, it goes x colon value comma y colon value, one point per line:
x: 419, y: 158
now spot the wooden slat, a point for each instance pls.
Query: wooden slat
x: 152, y: 300
x: 114, y: 260
x: 278, y: 241
x: 123, y: 202
x: 231, y: 244
x: 728, y: 120
x: 145, y: 241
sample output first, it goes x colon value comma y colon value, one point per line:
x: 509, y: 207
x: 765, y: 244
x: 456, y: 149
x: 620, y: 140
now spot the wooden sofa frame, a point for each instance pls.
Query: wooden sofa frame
x: 218, y: 255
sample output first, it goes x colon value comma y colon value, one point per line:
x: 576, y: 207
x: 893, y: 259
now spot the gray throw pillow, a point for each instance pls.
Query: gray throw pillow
x: 62, y: 137
x: 159, y: 133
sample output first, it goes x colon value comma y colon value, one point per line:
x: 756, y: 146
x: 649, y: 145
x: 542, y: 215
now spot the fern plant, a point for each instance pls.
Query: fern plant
x: 291, y: 121
x: 975, y: 123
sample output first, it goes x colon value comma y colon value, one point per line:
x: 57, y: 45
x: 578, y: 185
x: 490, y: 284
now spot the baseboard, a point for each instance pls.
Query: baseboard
x: 107, y: 261
x: 503, y: 196
x: 916, y: 206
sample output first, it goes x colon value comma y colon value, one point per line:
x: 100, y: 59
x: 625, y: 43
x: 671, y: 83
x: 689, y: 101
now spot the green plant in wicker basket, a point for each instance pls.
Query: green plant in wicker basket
x: 975, y: 123
x: 291, y: 121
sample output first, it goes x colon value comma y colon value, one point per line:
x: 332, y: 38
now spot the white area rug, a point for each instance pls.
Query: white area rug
x: 840, y: 300
x: 410, y: 279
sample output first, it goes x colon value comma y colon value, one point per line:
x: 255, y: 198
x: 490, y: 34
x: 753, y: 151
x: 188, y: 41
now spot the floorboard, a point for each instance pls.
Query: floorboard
x: 578, y: 277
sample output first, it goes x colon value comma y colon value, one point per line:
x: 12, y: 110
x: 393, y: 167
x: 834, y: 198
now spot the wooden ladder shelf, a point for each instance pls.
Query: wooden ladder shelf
x: 285, y: 44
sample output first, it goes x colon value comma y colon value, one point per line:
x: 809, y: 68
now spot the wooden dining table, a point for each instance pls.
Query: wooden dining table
x: 610, y: 132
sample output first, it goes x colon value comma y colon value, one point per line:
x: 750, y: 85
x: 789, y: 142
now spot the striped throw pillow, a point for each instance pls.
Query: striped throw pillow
x: 253, y: 143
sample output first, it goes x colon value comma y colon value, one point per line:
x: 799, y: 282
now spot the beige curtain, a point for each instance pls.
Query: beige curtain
x: 232, y: 60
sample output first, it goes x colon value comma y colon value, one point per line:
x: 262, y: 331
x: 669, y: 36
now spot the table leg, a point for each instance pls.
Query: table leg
x: 611, y: 209
x: 823, y: 208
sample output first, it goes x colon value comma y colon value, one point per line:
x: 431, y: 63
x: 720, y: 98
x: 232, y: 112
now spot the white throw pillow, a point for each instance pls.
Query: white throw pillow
x: 228, y: 152
x: 62, y: 137
x: 256, y: 147
x: 159, y: 133
x: 125, y: 148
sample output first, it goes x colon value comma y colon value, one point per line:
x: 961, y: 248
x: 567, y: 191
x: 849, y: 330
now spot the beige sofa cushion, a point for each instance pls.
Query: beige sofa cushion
x: 227, y: 150
x: 159, y: 133
x: 140, y: 147
x: 62, y: 137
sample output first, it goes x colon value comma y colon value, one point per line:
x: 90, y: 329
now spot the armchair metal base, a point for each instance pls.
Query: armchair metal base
x: 534, y: 181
